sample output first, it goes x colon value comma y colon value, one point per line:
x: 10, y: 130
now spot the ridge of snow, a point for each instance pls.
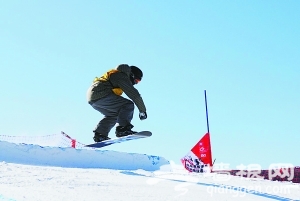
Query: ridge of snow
x: 30, y: 154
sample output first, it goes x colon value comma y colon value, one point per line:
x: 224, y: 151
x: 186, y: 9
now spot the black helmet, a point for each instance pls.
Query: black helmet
x: 136, y: 74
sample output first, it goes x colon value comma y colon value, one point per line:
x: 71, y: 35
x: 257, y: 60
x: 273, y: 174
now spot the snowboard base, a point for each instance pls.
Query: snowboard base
x: 139, y: 135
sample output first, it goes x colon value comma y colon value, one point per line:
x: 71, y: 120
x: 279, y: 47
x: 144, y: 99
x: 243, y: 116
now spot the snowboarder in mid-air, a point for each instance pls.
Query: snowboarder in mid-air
x: 104, y: 95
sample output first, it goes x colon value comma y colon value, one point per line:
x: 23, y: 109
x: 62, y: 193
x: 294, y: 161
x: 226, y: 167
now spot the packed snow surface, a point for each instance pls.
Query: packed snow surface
x: 32, y: 172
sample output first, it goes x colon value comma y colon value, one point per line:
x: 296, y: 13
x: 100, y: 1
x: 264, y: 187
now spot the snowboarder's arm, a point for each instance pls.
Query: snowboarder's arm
x: 125, y: 84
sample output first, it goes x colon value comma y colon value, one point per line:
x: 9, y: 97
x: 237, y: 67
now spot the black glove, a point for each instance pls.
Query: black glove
x: 143, y: 115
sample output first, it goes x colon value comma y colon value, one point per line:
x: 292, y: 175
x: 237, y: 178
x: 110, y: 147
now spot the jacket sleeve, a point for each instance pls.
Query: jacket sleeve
x: 123, y: 81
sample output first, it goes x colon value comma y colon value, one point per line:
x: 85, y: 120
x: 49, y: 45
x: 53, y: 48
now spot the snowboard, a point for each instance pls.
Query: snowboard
x: 139, y: 135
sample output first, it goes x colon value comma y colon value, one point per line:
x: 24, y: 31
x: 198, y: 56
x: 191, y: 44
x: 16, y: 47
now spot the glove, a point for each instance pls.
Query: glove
x: 143, y: 115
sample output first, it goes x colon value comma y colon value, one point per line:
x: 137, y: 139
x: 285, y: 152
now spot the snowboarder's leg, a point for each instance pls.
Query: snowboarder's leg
x: 108, y: 121
x: 126, y: 113
x: 115, y: 109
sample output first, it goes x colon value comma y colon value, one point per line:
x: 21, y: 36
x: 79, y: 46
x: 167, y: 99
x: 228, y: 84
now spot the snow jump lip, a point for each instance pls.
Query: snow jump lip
x: 29, y: 154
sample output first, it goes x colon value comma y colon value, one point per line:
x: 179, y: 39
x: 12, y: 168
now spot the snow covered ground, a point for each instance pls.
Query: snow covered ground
x: 31, y: 172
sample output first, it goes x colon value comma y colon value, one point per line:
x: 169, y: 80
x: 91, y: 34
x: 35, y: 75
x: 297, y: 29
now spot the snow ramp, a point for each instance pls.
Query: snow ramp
x: 76, y: 157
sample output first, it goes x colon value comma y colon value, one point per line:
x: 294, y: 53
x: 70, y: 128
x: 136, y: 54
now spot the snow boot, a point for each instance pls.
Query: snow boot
x: 99, y: 137
x: 122, y: 131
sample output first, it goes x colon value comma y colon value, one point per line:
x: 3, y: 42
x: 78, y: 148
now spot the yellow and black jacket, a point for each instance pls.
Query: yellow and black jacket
x: 115, y: 81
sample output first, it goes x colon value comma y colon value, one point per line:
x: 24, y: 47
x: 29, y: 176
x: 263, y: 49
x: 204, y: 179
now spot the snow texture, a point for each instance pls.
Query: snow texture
x: 33, y: 172
x: 78, y: 158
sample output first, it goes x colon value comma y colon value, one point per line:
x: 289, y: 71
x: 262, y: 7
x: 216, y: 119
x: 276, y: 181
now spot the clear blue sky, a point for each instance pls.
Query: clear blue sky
x: 246, y: 54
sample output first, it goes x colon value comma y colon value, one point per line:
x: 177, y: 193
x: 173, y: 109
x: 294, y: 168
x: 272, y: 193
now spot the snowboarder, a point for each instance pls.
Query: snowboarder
x: 104, y: 95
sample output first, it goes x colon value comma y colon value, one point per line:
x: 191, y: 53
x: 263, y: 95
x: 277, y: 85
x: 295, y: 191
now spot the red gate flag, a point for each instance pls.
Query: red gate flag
x: 199, y: 159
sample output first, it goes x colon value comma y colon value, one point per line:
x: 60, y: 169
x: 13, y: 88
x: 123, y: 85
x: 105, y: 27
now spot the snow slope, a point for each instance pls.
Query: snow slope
x: 79, y: 158
x: 32, y: 172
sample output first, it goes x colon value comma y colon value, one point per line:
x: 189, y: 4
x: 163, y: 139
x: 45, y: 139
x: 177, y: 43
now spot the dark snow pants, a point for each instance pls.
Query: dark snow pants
x: 116, y: 109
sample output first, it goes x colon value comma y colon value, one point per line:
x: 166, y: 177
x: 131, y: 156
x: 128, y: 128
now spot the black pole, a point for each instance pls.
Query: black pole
x: 207, y: 124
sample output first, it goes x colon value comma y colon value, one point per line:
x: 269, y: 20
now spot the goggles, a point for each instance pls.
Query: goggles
x: 136, y: 81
